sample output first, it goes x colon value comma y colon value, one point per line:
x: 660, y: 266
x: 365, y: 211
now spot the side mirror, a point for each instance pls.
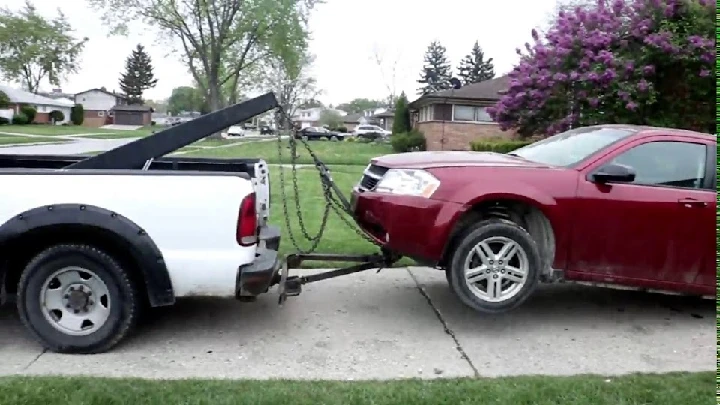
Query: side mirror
x: 613, y: 172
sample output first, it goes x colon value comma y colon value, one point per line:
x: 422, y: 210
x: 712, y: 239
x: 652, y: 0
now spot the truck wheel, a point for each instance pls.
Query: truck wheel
x: 495, y: 266
x: 77, y: 299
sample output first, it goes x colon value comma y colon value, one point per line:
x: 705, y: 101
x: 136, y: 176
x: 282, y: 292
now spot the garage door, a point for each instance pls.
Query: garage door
x: 128, y: 118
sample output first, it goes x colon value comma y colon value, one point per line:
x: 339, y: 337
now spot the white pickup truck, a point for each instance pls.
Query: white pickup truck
x: 84, y: 251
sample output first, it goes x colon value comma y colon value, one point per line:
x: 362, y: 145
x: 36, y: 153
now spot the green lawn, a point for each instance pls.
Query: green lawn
x: 54, y: 130
x: 12, y: 140
x: 662, y: 389
x: 332, y: 153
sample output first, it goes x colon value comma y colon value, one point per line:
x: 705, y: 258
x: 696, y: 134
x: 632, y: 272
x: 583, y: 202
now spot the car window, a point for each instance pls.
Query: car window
x: 572, y: 147
x: 668, y: 163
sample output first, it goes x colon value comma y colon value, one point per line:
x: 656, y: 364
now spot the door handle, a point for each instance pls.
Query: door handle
x: 692, y: 203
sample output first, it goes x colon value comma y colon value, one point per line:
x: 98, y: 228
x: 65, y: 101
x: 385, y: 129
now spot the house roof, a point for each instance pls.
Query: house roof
x: 385, y: 114
x: 25, y: 97
x: 352, y: 118
x: 488, y: 90
x: 132, y: 108
x: 103, y: 91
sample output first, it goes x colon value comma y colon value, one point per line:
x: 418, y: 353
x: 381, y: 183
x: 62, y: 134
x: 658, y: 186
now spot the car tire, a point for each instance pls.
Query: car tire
x: 496, y: 285
x: 86, y: 281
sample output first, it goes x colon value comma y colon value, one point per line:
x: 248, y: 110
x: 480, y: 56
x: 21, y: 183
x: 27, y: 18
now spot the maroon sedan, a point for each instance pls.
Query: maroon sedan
x: 613, y: 204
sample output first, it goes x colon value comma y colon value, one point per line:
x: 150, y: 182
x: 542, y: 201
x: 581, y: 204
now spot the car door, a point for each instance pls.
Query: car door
x: 654, y: 231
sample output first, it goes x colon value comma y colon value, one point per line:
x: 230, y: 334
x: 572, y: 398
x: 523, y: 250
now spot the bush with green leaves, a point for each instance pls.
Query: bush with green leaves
x: 57, y: 116
x: 20, y: 119
x: 505, y: 146
x: 4, y: 121
x: 401, y: 121
x: 412, y: 141
x: 29, y: 112
x: 648, y: 62
x: 77, y: 114
x: 4, y: 100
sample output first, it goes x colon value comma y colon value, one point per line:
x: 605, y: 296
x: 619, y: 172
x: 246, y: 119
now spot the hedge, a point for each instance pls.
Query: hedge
x: 498, y: 147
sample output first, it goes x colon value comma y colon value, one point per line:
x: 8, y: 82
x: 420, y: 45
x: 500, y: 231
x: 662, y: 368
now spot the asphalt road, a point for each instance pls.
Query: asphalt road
x: 398, y: 323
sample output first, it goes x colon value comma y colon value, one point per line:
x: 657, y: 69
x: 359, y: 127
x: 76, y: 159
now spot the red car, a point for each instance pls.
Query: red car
x: 616, y: 205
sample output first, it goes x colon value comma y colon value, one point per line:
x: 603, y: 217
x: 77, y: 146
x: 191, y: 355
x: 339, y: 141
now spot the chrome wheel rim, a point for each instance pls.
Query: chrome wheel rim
x: 75, y: 301
x: 496, y: 269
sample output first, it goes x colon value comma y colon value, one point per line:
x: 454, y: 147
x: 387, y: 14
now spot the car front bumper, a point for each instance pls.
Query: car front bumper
x: 257, y: 277
x: 416, y: 227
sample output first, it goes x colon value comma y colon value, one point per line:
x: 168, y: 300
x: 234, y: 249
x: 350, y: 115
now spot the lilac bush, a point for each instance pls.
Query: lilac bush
x: 649, y: 62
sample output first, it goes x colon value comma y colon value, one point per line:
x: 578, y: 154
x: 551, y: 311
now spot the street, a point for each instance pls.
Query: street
x: 398, y: 323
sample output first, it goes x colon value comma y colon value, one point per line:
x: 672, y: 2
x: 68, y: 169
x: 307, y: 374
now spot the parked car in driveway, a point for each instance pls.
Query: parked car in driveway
x: 618, y: 205
x: 370, y: 132
x: 266, y: 130
x: 314, y: 133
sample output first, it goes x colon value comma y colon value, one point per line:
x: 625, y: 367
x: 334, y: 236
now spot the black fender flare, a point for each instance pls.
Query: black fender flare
x: 143, y: 249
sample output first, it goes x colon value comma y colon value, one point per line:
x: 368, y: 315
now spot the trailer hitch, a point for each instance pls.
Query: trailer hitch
x: 291, y: 286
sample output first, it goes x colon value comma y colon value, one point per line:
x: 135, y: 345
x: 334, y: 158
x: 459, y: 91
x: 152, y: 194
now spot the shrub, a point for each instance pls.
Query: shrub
x: 4, y: 100
x: 408, y: 142
x: 401, y: 122
x: 4, y: 121
x: 499, y: 147
x: 350, y: 139
x: 29, y: 112
x: 341, y: 129
x: 20, y: 119
x: 153, y: 123
x: 77, y: 114
x: 57, y: 116
x: 648, y: 62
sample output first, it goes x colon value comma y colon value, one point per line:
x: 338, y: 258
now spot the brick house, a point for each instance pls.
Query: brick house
x: 43, y: 105
x: 98, y: 106
x: 451, y: 119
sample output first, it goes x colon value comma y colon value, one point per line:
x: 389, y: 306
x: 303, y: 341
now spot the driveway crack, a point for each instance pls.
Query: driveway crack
x: 446, y: 327
x: 35, y: 359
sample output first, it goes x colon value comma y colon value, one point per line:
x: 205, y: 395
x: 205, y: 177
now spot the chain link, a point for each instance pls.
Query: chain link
x: 331, y: 201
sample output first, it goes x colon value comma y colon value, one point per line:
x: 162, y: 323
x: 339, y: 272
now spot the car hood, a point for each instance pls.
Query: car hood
x: 426, y: 160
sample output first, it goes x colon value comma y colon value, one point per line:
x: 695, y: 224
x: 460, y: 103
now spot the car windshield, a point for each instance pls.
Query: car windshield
x: 571, y: 147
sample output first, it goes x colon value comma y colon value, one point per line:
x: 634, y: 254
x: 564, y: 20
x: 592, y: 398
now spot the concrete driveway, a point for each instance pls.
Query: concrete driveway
x: 398, y: 323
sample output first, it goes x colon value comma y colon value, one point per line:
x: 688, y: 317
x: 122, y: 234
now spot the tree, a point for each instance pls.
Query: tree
x: 33, y: 48
x: 401, y: 123
x: 647, y: 63
x: 474, y: 68
x: 331, y: 118
x: 221, y: 39
x: 185, y: 98
x: 290, y: 83
x: 436, y: 71
x: 358, y: 105
x: 388, y: 71
x: 4, y: 100
x: 310, y: 102
x: 77, y: 114
x: 138, y: 75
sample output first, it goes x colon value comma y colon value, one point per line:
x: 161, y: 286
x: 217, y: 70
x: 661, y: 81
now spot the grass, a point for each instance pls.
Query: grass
x: 17, y: 140
x: 55, y: 130
x: 658, y: 389
x: 332, y: 153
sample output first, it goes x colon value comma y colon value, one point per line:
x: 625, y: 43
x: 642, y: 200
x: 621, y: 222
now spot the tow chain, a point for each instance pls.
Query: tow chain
x: 331, y: 201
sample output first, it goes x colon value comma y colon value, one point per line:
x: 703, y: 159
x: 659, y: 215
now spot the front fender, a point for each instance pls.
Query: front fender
x: 142, y: 248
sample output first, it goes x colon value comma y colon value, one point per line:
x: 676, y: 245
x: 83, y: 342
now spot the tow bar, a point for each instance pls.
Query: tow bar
x: 291, y: 286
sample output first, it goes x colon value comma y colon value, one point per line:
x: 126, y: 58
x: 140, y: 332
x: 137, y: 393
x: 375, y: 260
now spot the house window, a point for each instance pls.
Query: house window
x: 426, y: 113
x: 101, y: 113
x: 470, y: 113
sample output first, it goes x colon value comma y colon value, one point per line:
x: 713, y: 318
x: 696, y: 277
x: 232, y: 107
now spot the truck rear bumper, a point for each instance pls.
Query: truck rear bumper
x: 256, y: 278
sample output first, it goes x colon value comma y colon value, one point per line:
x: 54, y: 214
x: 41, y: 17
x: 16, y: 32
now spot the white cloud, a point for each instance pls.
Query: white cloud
x: 345, y: 33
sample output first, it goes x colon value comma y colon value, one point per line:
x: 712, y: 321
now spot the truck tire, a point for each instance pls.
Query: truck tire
x: 495, y: 266
x: 77, y: 299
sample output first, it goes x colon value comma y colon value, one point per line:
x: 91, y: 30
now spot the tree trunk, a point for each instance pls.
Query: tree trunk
x: 214, y: 101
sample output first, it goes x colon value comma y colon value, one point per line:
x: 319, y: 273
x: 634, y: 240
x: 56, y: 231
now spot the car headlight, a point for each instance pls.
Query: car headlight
x: 411, y: 182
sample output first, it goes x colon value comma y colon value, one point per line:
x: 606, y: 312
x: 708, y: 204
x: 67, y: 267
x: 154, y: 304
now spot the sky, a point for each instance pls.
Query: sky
x: 346, y: 37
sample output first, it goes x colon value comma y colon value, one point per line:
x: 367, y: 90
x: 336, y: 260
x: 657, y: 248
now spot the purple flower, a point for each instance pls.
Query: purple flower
x: 631, y: 106
x: 624, y: 95
x: 704, y: 73
x: 535, y: 35
x: 648, y: 70
x: 574, y: 75
x: 594, y: 102
x: 643, y: 85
